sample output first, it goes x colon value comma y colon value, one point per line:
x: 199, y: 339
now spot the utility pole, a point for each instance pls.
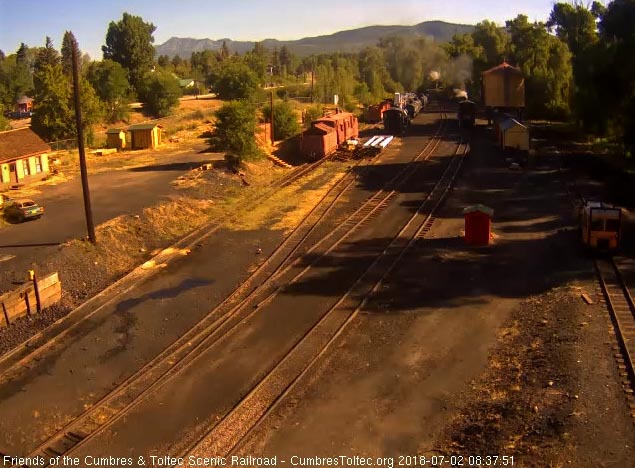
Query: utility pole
x: 80, y: 146
x: 272, y: 140
x: 312, y: 75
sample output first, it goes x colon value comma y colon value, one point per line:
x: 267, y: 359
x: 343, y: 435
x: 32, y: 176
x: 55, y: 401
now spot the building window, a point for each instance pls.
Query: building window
x: 25, y: 167
x: 38, y: 164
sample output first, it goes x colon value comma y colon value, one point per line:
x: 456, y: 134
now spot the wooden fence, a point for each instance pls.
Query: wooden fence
x: 30, y: 298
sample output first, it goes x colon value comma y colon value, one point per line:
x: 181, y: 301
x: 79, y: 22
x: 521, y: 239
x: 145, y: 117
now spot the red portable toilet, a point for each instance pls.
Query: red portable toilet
x: 478, y: 224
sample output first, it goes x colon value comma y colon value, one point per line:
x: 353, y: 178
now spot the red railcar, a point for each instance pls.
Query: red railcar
x: 329, y: 133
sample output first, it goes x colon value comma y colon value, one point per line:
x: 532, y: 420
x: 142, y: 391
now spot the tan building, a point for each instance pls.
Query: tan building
x: 23, y: 157
x: 503, y: 87
x: 116, y: 138
x: 513, y: 135
x: 144, y: 136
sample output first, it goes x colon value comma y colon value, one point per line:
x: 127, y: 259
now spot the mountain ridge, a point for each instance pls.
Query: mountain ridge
x: 351, y: 40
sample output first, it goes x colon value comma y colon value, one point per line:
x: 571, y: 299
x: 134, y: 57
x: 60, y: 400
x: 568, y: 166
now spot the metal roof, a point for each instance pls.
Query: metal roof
x: 320, y: 128
x: 21, y: 143
x: 145, y: 126
x: 479, y: 208
x: 23, y: 100
x: 509, y: 123
x: 503, y: 67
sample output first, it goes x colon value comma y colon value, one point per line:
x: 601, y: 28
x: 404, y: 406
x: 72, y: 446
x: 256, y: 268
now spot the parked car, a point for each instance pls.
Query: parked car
x: 21, y: 210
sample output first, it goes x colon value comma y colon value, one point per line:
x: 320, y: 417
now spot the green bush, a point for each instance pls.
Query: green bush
x: 235, y: 129
x: 311, y: 114
x: 160, y: 93
x: 236, y: 81
x: 285, y: 120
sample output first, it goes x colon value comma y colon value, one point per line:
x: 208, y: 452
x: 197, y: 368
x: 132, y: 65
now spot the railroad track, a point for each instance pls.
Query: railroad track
x: 38, y: 344
x: 231, y: 312
x: 249, y: 413
x: 619, y: 303
x: 622, y: 313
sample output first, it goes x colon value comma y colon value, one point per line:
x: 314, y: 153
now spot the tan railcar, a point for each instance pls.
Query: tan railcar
x: 601, y: 226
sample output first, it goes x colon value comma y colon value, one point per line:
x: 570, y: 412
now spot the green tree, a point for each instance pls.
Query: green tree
x: 109, y: 80
x: 206, y: 65
x: 129, y: 42
x: 493, y: 40
x: 236, y: 81
x: 54, y: 117
x: 312, y: 113
x: 235, y: 129
x: 224, y: 51
x: 15, y: 80
x: 285, y: 120
x: 46, y: 55
x: 4, y: 123
x: 617, y: 82
x: 160, y: 93
x: 67, y: 52
x: 163, y: 61
x: 576, y: 25
x: 22, y: 55
x: 546, y: 63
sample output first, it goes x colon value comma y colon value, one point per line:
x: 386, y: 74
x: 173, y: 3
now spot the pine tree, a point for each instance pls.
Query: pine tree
x: 67, y: 52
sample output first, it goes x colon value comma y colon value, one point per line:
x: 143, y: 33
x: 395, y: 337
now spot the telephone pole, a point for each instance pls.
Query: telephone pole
x: 80, y: 146
x: 272, y: 140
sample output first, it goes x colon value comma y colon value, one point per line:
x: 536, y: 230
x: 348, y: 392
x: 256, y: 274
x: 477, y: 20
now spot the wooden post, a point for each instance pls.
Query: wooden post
x: 26, y: 301
x: 36, y: 289
x: 6, y: 315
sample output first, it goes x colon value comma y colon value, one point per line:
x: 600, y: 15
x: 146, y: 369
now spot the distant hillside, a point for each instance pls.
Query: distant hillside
x: 343, y: 41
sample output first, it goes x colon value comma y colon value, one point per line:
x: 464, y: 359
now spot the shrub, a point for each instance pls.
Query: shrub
x: 235, y: 129
x: 236, y: 81
x: 285, y: 120
x: 160, y: 93
x: 312, y: 113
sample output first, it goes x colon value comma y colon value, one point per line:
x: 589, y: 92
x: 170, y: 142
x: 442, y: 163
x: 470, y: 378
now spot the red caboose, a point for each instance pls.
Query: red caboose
x: 328, y: 133
x: 344, y: 123
x: 318, y: 141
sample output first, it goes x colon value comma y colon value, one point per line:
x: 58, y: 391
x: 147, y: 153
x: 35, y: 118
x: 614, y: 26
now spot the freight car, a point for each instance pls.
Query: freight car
x: 396, y: 121
x: 467, y: 114
x: 376, y: 113
x: 327, y: 134
x: 413, y: 107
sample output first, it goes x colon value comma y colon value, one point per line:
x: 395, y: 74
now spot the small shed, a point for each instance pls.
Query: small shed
x: 24, y: 104
x: 144, y: 136
x: 116, y: 138
x: 478, y: 224
x: 513, y: 135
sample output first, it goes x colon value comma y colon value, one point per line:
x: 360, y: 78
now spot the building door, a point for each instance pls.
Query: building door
x: 13, y: 173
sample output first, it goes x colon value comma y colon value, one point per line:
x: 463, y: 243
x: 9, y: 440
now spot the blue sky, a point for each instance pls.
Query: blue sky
x: 30, y: 21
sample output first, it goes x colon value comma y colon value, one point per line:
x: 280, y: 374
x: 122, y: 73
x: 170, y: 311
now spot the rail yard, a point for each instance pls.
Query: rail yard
x: 392, y: 246
x: 231, y: 379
